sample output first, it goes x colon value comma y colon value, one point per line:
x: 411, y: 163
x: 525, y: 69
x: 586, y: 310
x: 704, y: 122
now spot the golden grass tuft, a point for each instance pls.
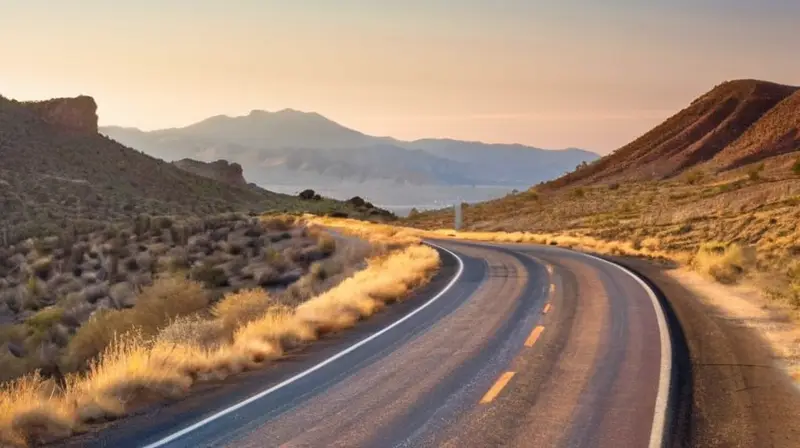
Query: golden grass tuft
x: 725, y: 263
x: 31, y: 412
x: 242, y: 307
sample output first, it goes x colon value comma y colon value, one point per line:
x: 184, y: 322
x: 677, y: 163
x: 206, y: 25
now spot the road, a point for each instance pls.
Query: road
x: 524, y: 346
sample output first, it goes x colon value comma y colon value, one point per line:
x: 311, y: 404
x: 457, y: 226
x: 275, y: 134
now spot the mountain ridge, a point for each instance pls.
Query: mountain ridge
x: 276, y: 147
x: 703, y: 134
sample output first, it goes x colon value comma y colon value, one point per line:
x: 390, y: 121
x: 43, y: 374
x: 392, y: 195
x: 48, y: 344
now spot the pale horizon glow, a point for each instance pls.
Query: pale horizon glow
x: 576, y: 73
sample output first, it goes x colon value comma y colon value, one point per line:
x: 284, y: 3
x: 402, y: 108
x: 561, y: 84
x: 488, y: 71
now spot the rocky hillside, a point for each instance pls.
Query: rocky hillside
x: 727, y: 168
x: 220, y: 170
x: 57, y: 173
x: 735, y: 123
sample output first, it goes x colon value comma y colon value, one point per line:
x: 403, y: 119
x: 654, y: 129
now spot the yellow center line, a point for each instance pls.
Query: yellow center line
x: 534, y: 336
x: 550, y: 269
x: 546, y: 309
x: 552, y: 288
x: 497, y: 387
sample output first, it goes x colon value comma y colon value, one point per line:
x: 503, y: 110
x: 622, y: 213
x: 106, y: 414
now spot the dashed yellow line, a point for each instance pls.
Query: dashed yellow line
x: 534, y: 336
x: 550, y: 269
x: 497, y: 387
x: 546, y: 309
x: 552, y: 288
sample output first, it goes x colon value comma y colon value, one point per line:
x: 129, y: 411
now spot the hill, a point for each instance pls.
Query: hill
x: 220, y: 170
x: 57, y: 172
x: 697, y: 134
x: 284, y: 147
x: 727, y: 180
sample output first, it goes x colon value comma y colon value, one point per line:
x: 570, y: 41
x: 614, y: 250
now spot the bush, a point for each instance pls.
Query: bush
x: 754, y: 173
x: 307, y: 195
x: 242, y: 307
x: 167, y: 299
x: 725, y: 263
x: 326, y: 244
x: 210, y: 276
x: 796, y: 166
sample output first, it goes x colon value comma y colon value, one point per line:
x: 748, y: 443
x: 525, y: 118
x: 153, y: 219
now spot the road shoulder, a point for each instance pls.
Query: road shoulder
x: 729, y: 391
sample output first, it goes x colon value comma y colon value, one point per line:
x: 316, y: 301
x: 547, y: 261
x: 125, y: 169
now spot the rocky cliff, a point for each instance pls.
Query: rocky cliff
x: 221, y: 170
x: 77, y: 114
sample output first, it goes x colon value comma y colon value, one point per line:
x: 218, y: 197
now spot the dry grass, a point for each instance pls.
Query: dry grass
x: 166, y: 299
x: 725, y: 263
x: 29, y: 412
x: 135, y: 370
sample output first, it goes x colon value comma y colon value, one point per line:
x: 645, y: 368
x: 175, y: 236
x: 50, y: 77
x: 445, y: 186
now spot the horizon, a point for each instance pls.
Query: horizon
x: 517, y: 74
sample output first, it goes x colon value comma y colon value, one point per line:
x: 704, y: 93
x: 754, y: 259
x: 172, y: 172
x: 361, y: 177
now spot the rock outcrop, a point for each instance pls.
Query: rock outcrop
x: 77, y: 114
x: 221, y: 170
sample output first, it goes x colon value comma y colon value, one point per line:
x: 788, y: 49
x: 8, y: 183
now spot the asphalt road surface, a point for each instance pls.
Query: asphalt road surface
x: 522, y: 346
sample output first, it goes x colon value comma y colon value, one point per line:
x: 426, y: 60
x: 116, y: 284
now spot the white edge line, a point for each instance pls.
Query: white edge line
x: 258, y: 396
x: 665, y: 377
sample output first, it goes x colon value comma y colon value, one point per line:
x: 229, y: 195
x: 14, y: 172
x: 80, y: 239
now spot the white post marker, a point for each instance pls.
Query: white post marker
x: 457, y: 208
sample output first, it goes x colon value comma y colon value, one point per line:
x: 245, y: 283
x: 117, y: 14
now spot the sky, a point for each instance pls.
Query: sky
x: 548, y: 73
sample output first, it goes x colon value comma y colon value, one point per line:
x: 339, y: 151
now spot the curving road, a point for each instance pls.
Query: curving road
x: 524, y: 346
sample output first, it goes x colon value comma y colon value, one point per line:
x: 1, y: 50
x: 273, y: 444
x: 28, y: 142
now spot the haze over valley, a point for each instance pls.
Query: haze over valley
x: 288, y: 151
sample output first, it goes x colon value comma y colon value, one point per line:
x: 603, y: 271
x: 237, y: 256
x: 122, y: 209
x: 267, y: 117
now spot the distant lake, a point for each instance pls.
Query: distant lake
x: 400, y: 198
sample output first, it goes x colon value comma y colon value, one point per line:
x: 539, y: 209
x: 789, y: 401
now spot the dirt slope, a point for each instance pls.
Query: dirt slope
x: 695, y: 135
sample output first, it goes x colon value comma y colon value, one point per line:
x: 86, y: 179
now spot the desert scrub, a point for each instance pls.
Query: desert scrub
x: 99, y: 278
x: 167, y: 299
x: 135, y: 370
x: 726, y: 263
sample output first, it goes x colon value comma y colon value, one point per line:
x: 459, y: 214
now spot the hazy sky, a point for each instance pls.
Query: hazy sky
x: 550, y: 73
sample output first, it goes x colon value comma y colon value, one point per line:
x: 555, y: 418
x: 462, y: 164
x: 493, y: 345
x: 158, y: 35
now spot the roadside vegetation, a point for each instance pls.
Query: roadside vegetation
x: 733, y: 227
x: 195, y: 323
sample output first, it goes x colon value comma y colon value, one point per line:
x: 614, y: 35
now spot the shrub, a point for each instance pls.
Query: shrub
x: 156, y: 305
x: 725, y: 263
x: 210, y: 276
x: 242, y: 307
x: 796, y: 166
x: 326, y: 244
x: 754, y: 173
x: 45, y: 318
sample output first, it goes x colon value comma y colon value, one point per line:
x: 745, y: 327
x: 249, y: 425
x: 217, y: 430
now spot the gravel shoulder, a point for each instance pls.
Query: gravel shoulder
x: 731, y: 387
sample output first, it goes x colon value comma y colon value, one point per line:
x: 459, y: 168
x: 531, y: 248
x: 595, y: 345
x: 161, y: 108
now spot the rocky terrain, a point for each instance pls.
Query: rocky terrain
x: 220, y: 170
x: 58, y: 175
x: 734, y: 124
x: 51, y: 287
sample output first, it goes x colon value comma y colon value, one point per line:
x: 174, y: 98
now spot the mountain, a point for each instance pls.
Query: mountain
x: 725, y: 168
x: 282, y: 147
x: 710, y: 127
x: 56, y: 171
x: 776, y: 133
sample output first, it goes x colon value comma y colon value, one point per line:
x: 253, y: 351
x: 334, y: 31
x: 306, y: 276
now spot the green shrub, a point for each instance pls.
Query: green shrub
x: 46, y: 318
x: 210, y: 276
x: 796, y: 166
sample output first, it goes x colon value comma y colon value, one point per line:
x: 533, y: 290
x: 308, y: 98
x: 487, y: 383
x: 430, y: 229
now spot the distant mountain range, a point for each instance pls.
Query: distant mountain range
x: 290, y: 147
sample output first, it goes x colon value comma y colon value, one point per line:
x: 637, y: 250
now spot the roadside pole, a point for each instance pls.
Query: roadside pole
x: 457, y: 209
